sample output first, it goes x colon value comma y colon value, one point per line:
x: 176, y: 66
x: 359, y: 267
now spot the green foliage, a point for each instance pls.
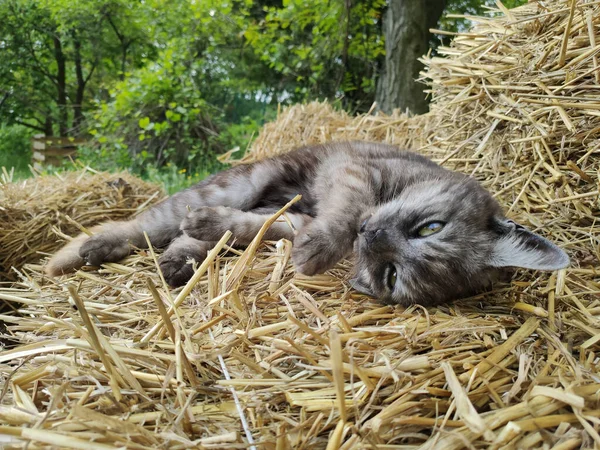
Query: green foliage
x: 242, y: 133
x: 157, y: 114
x: 470, y: 7
x: 57, y: 55
x: 321, y: 49
x: 166, y: 111
x: 162, y: 86
x: 15, y: 149
x: 173, y: 178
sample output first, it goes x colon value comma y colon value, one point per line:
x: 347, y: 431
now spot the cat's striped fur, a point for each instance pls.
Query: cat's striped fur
x: 369, y: 197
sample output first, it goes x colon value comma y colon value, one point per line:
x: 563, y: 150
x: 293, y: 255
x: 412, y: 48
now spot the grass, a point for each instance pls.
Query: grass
x: 174, y: 179
x: 170, y: 177
x: 15, y: 157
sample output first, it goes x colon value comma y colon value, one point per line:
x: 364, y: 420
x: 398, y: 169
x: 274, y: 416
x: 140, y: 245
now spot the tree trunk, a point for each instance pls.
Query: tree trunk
x: 48, y: 126
x: 125, y: 43
x: 78, y: 105
x: 406, y: 25
x: 61, y: 85
x: 124, y: 47
x: 81, y: 83
x: 346, y: 45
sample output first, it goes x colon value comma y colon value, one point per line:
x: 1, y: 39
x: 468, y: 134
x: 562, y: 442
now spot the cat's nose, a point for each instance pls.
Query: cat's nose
x: 371, y: 235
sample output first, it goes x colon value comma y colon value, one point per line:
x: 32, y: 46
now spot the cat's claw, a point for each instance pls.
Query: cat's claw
x: 208, y: 223
x: 104, y: 247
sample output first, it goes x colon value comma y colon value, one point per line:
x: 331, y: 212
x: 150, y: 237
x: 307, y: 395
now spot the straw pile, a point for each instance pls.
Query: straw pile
x: 251, y: 355
x: 37, y: 213
x: 316, y: 123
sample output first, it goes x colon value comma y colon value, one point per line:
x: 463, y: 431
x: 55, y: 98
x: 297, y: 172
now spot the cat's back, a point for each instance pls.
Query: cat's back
x: 390, y: 169
x: 374, y: 153
x: 387, y: 161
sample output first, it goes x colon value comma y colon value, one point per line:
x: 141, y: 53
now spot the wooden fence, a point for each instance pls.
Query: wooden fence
x: 50, y: 150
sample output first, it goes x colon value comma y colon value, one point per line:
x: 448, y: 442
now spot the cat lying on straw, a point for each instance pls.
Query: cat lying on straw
x: 422, y: 234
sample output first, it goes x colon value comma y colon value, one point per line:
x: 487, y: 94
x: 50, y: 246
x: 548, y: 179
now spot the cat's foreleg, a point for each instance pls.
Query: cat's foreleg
x: 206, y: 225
x: 210, y: 223
x: 112, y: 241
x: 345, y: 197
x: 109, y: 242
x: 239, y: 187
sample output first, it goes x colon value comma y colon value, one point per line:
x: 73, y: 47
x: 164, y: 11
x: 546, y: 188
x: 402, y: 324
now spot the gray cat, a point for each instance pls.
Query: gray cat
x: 422, y: 234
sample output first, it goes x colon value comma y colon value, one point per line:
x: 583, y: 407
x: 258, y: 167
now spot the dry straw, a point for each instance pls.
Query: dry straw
x: 252, y: 355
x: 36, y: 214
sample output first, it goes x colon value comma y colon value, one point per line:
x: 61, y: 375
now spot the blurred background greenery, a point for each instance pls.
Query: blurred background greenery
x: 160, y: 87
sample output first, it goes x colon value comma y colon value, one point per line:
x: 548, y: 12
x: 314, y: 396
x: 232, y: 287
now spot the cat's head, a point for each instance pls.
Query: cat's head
x: 443, y: 239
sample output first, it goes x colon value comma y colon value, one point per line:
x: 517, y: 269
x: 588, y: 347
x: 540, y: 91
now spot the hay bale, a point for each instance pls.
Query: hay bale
x: 320, y: 122
x: 251, y: 355
x: 36, y: 213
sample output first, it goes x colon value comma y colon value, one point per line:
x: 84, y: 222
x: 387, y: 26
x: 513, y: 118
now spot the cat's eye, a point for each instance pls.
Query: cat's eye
x: 391, y: 276
x: 430, y: 228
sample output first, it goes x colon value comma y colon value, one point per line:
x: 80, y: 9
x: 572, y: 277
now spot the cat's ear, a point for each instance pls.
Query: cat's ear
x: 518, y: 247
x: 360, y: 284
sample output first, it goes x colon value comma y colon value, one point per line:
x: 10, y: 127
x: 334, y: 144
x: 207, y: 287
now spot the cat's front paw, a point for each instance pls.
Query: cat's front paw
x: 104, y: 247
x: 207, y: 223
x: 176, y: 262
x: 176, y: 268
x: 315, y: 250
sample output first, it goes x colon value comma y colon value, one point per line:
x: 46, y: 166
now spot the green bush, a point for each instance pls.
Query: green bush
x: 174, y: 179
x: 156, y: 115
x: 242, y: 132
x: 15, y: 149
x: 159, y: 121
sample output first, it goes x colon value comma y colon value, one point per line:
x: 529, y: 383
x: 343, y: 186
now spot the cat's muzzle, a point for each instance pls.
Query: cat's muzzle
x: 371, y: 236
